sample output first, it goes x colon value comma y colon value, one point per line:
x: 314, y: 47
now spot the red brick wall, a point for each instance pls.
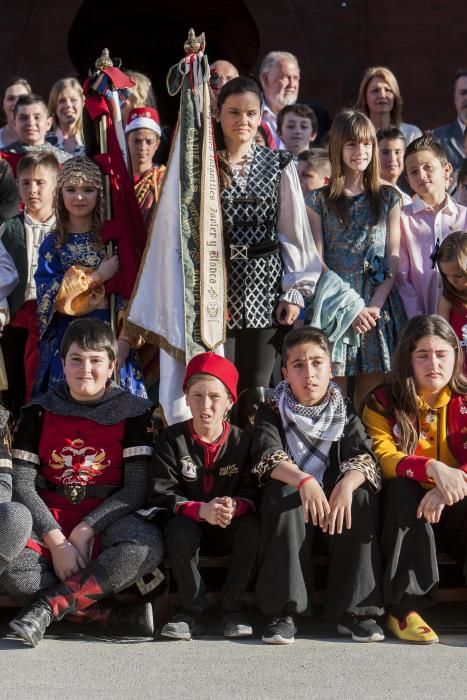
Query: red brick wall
x: 422, y: 42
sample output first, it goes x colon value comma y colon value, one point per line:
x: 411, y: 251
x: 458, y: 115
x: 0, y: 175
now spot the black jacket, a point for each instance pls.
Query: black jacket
x: 352, y: 451
x: 177, y: 468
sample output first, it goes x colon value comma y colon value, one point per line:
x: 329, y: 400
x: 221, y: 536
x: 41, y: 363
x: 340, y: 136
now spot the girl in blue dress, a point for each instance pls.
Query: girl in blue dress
x: 355, y: 223
x: 71, y: 272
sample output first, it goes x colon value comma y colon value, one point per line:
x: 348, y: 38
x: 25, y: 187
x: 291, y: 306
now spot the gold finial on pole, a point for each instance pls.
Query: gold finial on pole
x: 104, y: 60
x: 194, y: 43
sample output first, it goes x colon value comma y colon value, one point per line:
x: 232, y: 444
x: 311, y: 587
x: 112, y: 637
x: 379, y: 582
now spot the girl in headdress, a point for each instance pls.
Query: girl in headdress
x: 72, y: 269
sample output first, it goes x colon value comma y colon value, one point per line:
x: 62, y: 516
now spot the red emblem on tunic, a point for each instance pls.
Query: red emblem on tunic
x: 81, y: 464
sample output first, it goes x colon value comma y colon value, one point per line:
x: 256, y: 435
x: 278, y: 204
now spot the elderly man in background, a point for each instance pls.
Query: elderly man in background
x: 451, y: 136
x: 221, y: 72
x: 279, y: 75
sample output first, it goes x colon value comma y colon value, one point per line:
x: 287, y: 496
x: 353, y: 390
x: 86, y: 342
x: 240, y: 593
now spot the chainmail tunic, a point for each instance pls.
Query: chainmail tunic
x: 15, y: 519
x: 250, y: 217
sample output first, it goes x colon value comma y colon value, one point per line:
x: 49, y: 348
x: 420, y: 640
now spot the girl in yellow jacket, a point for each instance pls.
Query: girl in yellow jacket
x: 418, y: 424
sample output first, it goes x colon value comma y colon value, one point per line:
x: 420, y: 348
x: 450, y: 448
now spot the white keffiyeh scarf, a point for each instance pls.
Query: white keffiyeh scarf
x: 310, y: 430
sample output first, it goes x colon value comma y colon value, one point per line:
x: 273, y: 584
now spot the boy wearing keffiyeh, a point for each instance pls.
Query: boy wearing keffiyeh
x: 314, y: 460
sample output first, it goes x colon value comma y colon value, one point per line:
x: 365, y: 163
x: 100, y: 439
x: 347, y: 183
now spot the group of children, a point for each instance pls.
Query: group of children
x: 103, y: 498
x: 308, y: 474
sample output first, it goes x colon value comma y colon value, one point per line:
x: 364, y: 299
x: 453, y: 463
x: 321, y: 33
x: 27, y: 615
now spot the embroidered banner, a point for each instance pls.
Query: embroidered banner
x: 200, y: 215
x: 179, y: 299
x: 213, y: 289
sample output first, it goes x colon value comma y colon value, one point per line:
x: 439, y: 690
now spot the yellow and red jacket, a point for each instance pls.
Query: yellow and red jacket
x: 442, y: 430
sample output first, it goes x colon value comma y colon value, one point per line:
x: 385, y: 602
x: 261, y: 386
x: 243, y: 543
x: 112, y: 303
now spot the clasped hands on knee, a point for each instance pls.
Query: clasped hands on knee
x: 70, y: 555
x: 450, y: 488
x: 219, y: 511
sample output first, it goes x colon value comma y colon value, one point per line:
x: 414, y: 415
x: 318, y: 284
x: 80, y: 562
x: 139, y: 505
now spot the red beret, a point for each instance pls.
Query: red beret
x: 216, y: 366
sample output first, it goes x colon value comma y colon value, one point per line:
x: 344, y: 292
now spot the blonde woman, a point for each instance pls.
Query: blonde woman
x: 141, y: 95
x: 66, y: 109
x: 380, y: 99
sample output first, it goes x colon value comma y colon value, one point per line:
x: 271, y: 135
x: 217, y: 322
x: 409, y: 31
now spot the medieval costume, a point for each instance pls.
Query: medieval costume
x: 16, y: 521
x: 409, y: 542
x: 325, y: 441
x: 148, y: 184
x: 85, y: 462
x: 147, y: 187
x: 187, y: 471
x: 22, y: 237
x: 68, y: 286
x: 272, y: 257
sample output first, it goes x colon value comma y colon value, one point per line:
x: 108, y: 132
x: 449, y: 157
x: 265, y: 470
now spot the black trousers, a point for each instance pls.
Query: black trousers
x: 185, y: 538
x: 253, y: 351
x: 285, y: 581
x: 409, y: 545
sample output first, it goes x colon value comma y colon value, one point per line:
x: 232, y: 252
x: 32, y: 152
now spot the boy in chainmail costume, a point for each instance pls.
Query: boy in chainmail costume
x: 80, y: 454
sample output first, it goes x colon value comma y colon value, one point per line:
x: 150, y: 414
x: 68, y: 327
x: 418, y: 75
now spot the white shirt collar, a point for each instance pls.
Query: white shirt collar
x: 419, y: 205
x: 32, y: 222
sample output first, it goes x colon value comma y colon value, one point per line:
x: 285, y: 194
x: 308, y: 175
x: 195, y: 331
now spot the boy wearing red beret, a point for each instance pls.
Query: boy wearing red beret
x: 201, y: 475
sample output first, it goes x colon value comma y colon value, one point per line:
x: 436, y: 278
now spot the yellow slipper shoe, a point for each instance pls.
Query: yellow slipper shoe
x: 413, y: 628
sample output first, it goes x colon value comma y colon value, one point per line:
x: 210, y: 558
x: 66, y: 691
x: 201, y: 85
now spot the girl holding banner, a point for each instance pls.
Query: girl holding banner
x: 272, y: 263
x: 228, y: 257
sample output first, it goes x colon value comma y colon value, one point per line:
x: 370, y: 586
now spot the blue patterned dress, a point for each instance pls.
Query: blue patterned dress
x: 356, y: 251
x: 80, y: 249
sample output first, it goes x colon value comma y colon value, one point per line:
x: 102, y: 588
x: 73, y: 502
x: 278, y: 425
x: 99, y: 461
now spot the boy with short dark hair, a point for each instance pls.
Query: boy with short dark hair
x: 425, y: 223
x: 201, y: 476
x: 32, y: 122
x: 297, y: 126
x: 391, y: 146
x: 319, y: 475
x: 314, y: 169
x: 81, y: 454
x: 22, y: 237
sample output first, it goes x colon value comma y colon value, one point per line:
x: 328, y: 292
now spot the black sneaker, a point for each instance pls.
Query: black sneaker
x: 235, y: 625
x: 280, y: 630
x: 362, y: 629
x: 183, y: 625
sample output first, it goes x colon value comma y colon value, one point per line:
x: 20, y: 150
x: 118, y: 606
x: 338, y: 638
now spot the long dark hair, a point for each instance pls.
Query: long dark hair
x: 453, y: 249
x: 350, y: 125
x: 402, y: 382
x: 236, y: 86
x: 9, y: 82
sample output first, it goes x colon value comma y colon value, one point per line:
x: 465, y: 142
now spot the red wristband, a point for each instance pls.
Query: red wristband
x: 304, y: 480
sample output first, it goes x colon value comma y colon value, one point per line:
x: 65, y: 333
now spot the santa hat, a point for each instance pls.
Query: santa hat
x: 216, y: 366
x: 143, y: 118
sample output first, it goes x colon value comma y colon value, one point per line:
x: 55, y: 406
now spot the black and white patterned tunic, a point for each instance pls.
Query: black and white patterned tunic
x: 251, y: 216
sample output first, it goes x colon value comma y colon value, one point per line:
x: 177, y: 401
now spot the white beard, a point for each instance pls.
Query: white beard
x: 288, y: 99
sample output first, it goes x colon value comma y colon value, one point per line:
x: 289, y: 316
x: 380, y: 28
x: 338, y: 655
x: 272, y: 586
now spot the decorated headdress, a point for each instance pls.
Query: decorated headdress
x: 78, y: 169
x: 75, y: 171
